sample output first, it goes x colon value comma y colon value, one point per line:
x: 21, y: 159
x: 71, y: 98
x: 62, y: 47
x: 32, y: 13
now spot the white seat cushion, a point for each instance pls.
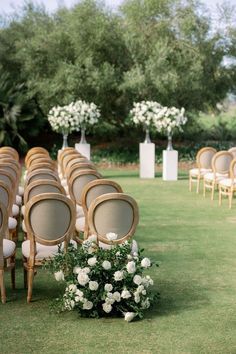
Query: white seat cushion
x: 23, y: 210
x: 227, y: 182
x: 80, y: 224
x: 210, y: 176
x: 60, y: 175
x: 12, y: 223
x: 64, y: 182
x: 42, y: 251
x: 21, y: 191
x: 18, y: 200
x: 195, y: 171
x: 79, y: 211
x: 23, y: 226
x: 8, y: 248
x: 66, y: 189
x: 15, y: 210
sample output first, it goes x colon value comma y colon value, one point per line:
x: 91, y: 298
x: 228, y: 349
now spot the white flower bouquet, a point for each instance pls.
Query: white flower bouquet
x: 145, y: 113
x: 86, y: 114
x: 170, y: 119
x: 63, y: 119
x: 103, y: 282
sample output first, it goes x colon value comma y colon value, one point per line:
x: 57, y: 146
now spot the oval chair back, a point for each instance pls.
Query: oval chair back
x: 34, y: 151
x: 6, y: 197
x: 39, y: 166
x: 114, y: 212
x: 77, y: 168
x: 78, y: 181
x: 3, y: 230
x: 10, y: 151
x: 233, y: 151
x: 221, y: 162
x: 42, y: 186
x: 204, y: 157
x: 41, y: 174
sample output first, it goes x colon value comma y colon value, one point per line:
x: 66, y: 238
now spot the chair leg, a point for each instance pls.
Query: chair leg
x: 213, y: 191
x: 198, y: 185
x: 204, y: 188
x: 190, y: 184
x: 231, y: 194
x: 30, y: 283
x: 220, y: 196
x: 2, y: 286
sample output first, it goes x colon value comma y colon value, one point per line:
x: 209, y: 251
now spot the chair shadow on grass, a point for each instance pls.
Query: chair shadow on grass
x: 177, y: 297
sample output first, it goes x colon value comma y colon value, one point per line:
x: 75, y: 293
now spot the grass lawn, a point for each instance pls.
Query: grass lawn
x: 194, y: 241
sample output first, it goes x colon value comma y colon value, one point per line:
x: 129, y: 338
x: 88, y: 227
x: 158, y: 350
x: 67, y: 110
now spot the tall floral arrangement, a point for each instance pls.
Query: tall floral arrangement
x: 86, y: 114
x: 103, y: 282
x: 63, y: 120
x: 170, y: 119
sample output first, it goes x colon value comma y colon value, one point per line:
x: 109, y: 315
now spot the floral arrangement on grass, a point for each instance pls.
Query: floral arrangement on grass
x: 170, y: 119
x: 102, y: 282
x: 63, y: 120
x: 86, y: 114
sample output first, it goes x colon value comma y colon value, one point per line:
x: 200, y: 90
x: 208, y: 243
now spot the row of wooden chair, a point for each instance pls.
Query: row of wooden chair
x: 217, y: 170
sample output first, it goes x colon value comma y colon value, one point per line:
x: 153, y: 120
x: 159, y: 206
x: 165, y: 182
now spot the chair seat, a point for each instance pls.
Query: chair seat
x: 21, y: 191
x: 23, y: 210
x: 18, y: 200
x: 60, y: 175
x: 66, y: 189
x: 80, y: 224
x: 15, y: 210
x: 227, y: 182
x: 196, y: 171
x: 210, y: 176
x: 42, y: 251
x: 64, y: 182
x: 12, y: 223
x: 9, y: 248
x: 79, y: 211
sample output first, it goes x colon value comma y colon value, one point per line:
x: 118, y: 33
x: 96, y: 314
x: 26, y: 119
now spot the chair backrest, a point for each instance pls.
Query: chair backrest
x: 50, y: 219
x: 77, y: 168
x: 41, y: 174
x: 11, y: 169
x: 10, y: 150
x: 42, y: 165
x: 3, y: 230
x: 95, y: 189
x: 232, y: 169
x: 42, y: 186
x: 6, y: 197
x: 64, y: 152
x: 113, y: 212
x: 233, y: 151
x: 78, y: 181
x: 67, y: 158
x: 34, y: 157
x: 221, y: 162
x: 204, y: 157
x: 7, y: 178
x: 42, y: 160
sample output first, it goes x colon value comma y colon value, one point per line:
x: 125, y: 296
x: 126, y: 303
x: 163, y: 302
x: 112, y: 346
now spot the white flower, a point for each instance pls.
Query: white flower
x: 111, y: 236
x: 78, y: 298
x: 93, y: 285
x: 85, y: 270
x: 106, y: 307
x: 92, y: 238
x: 110, y: 300
x: 136, y: 298
x: 131, y: 267
x: 129, y: 257
x: 82, y: 278
x: 145, y: 263
x: 72, y: 304
x: 106, y: 265
x: 145, y: 304
x: 92, y: 261
x: 79, y: 293
x: 140, y: 288
x: 118, y: 254
x: 59, y: 276
x: 129, y: 316
x: 108, y: 287
x: 76, y: 270
x: 72, y: 288
x: 119, y: 275
x: 87, y: 305
x: 137, y: 279
x: 125, y: 294
x: 116, y: 296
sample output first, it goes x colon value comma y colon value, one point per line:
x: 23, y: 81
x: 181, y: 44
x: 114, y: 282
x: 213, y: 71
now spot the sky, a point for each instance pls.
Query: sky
x: 7, y: 6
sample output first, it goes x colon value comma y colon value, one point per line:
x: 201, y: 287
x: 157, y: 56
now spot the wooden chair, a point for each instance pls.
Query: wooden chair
x: 113, y: 212
x: 220, y: 167
x: 203, y: 160
x: 233, y: 151
x: 7, y: 252
x: 10, y: 151
x: 66, y: 159
x: 90, y: 192
x: 34, y: 157
x: 42, y: 165
x: 6, y: 198
x: 41, y: 174
x: 77, y: 168
x: 35, y: 150
x: 227, y: 186
x: 58, y: 215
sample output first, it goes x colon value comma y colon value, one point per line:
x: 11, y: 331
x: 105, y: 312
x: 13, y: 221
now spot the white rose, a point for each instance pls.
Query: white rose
x: 125, y: 294
x: 78, y: 298
x: 111, y: 236
x: 82, y: 278
x: 140, y: 288
x: 108, y: 287
x: 136, y: 298
x: 106, y: 307
x: 137, y: 279
x: 145, y: 263
x: 72, y: 288
x: 72, y: 304
x: 131, y: 267
x: 79, y: 293
x: 118, y: 275
x: 106, y: 265
x: 129, y: 316
x: 145, y: 304
x: 116, y: 296
x: 85, y: 270
x: 92, y: 261
x: 59, y: 276
x: 93, y: 285
x: 87, y: 305
x: 76, y: 270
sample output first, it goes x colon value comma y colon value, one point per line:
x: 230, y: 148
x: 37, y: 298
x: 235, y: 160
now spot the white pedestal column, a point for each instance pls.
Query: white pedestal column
x: 84, y: 149
x: 170, y: 165
x: 147, y: 160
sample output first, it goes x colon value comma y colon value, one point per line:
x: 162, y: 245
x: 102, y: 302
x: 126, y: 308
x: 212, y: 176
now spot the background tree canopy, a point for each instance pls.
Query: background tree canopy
x: 164, y: 50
